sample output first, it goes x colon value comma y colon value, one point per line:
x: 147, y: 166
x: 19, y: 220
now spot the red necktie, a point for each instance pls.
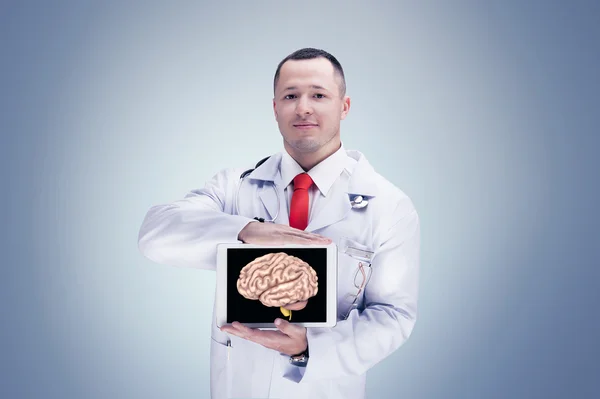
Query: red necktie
x: 299, y: 205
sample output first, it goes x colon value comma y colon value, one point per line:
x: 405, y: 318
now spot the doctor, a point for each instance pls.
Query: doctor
x: 327, y: 193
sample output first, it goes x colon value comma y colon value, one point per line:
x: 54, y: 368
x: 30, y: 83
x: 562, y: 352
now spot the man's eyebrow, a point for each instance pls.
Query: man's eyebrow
x: 312, y: 87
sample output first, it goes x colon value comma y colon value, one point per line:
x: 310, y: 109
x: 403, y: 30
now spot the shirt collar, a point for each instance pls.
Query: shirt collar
x: 324, y: 174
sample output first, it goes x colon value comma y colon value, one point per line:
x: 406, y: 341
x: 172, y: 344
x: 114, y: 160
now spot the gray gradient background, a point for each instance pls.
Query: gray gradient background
x: 485, y: 114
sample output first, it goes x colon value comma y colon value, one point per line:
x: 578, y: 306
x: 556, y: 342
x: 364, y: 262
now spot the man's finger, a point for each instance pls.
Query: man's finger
x: 272, y: 339
x: 293, y: 239
x: 307, y: 234
x: 245, y: 331
x: 288, y: 328
x: 306, y: 237
x: 232, y: 331
x: 294, y: 231
x: 239, y: 330
x: 265, y: 338
x: 288, y: 238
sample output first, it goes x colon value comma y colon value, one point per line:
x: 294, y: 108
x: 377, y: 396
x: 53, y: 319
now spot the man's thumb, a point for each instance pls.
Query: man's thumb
x: 285, y: 327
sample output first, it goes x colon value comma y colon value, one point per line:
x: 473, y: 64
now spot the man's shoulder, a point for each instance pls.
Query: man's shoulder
x: 388, y: 193
x: 229, y: 173
x: 244, y: 169
x: 395, y: 194
x: 367, y: 170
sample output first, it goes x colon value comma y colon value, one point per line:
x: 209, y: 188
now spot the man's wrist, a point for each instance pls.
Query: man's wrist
x: 301, y: 359
x: 242, y: 232
x: 304, y: 352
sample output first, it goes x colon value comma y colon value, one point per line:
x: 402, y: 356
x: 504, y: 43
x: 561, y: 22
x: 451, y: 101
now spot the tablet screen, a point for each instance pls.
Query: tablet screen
x: 246, y: 310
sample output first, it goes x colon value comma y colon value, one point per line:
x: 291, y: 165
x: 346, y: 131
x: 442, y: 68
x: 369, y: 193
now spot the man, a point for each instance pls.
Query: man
x: 377, y: 302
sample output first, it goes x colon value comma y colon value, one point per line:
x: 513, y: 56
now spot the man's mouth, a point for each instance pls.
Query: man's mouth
x: 305, y: 125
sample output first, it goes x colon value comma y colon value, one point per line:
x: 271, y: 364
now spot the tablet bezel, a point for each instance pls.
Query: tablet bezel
x: 221, y: 289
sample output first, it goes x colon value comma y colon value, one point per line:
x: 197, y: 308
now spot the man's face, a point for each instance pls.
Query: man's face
x: 308, y: 105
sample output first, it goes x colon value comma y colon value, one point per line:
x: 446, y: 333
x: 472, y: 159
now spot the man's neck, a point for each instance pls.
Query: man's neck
x: 309, y: 160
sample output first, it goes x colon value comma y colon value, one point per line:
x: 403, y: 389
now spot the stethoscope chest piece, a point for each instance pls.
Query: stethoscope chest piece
x: 359, y: 202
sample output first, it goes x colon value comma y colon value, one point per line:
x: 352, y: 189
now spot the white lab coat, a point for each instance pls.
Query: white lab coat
x: 186, y: 232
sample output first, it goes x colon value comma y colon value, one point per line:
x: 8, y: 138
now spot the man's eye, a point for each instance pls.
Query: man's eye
x: 319, y: 95
x: 290, y: 96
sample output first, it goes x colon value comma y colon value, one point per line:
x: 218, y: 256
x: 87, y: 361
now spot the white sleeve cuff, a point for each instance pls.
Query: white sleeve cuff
x: 291, y: 372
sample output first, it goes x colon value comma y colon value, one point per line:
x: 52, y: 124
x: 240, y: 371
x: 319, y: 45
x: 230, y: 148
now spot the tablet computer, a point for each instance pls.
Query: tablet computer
x: 254, y: 280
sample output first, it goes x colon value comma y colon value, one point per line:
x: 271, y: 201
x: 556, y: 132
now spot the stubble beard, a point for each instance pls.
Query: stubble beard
x: 306, y: 145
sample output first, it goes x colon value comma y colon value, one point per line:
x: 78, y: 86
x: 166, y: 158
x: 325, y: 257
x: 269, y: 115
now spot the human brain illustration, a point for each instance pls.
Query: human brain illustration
x: 278, y: 279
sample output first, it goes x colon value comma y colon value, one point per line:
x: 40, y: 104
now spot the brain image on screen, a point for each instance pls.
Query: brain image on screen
x: 278, y: 279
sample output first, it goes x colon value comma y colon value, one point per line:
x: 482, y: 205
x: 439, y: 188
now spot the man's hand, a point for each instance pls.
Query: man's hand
x: 290, y: 339
x: 278, y: 234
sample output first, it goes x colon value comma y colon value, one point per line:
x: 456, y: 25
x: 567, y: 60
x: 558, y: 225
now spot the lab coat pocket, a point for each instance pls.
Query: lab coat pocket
x: 355, y: 250
x: 220, y: 369
x: 354, y: 270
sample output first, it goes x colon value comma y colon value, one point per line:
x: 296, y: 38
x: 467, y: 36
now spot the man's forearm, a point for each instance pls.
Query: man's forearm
x: 186, y: 234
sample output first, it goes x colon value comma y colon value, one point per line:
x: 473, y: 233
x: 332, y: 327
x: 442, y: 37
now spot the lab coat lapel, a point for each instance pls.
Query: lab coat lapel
x: 362, y: 180
x: 337, y: 203
x: 268, y: 197
x: 269, y: 174
x: 335, y: 208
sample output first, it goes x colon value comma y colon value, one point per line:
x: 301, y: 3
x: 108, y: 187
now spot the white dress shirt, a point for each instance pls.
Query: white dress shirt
x: 324, y: 175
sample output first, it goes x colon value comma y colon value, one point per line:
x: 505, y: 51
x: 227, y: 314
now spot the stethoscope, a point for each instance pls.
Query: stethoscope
x: 358, y: 202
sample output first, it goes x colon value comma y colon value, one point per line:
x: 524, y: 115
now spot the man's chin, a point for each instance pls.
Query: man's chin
x: 304, y: 145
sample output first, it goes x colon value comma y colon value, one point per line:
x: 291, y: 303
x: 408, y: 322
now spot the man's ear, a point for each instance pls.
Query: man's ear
x: 345, y: 107
x: 275, y: 109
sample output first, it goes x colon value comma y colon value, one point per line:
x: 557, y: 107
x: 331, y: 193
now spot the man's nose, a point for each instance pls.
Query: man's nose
x: 303, y: 107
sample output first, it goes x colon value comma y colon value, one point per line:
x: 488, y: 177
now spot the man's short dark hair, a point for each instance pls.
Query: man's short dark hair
x: 311, y: 53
